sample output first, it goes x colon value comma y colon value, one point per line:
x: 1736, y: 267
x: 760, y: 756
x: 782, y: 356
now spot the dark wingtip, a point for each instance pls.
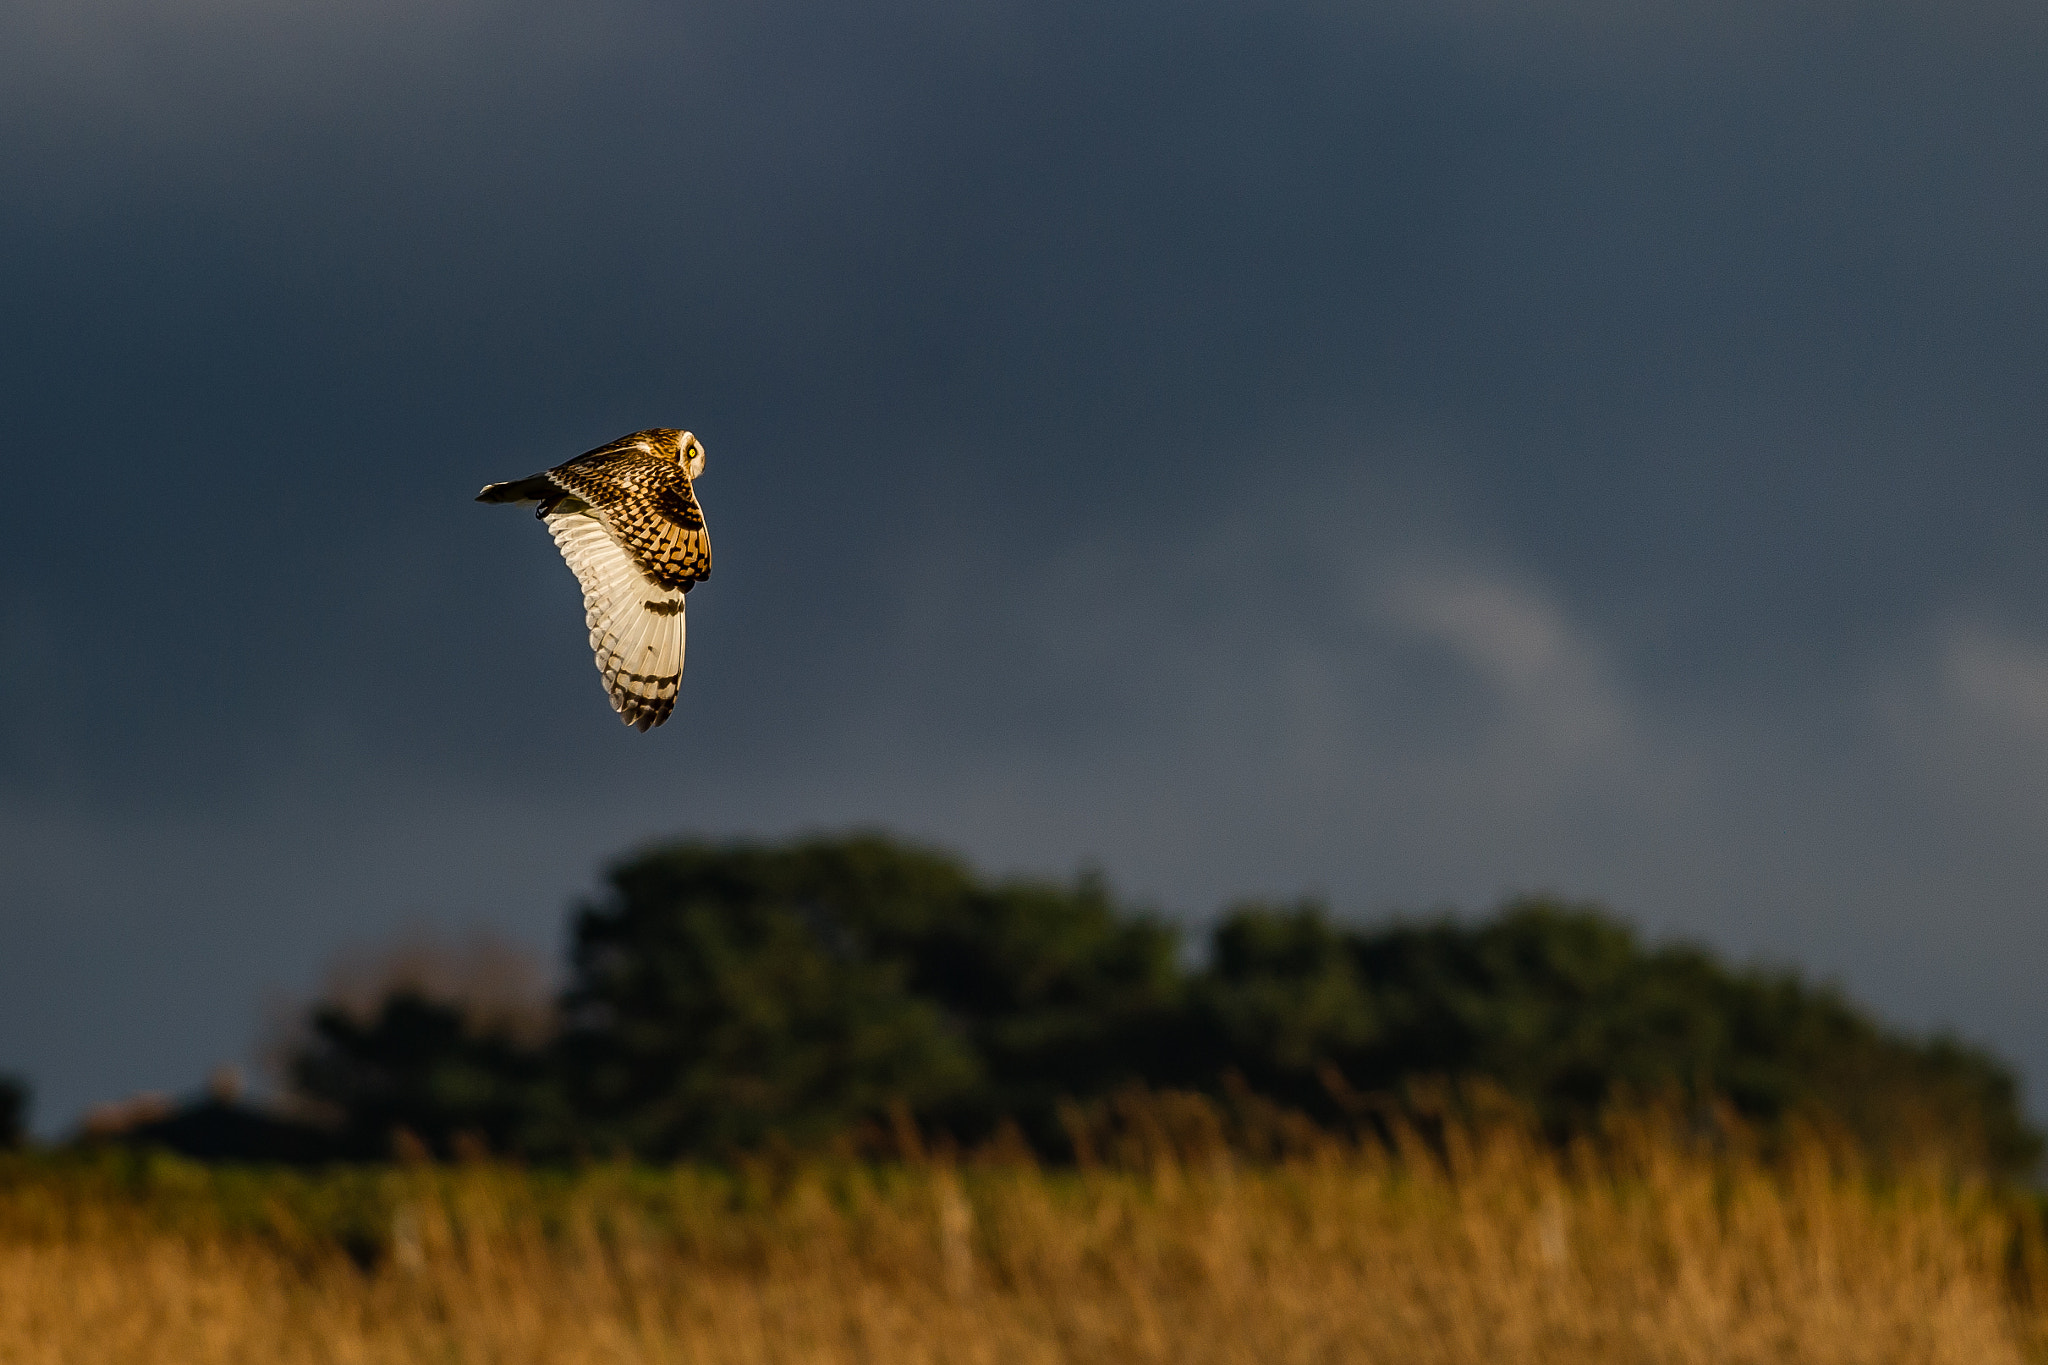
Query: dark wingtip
x: 519, y: 490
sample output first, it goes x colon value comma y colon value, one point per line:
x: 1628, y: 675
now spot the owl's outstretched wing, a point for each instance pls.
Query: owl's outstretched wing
x: 626, y: 519
x: 636, y: 624
x: 652, y: 511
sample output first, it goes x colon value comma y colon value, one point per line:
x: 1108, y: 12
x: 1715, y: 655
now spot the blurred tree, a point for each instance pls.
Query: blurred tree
x: 1282, y: 999
x: 215, y: 1127
x: 448, y: 1041
x: 14, y: 1096
x: 726, y: 991
x: 1058, y: 991
x: 723, y: 995
x: 426, y: 1069
x: 1563, y: 1007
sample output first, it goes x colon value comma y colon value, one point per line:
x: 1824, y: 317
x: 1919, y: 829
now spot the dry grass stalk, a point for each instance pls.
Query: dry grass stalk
x: 1484, y: 1248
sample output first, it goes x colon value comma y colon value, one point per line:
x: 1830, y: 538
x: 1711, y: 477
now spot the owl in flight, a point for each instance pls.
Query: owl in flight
x: 626, y: 519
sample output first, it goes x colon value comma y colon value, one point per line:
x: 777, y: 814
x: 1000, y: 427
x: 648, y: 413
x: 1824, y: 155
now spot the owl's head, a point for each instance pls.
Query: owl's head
x: 670, y: 444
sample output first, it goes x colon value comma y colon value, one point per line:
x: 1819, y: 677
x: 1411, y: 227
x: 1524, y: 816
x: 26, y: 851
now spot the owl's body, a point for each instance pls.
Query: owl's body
x: 625, y: 517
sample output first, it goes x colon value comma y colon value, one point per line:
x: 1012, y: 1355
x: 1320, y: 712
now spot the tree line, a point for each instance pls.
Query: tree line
x: 725, y: 996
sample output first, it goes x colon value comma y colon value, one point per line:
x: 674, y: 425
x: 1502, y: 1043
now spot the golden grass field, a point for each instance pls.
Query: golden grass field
x: 1490, y: 1248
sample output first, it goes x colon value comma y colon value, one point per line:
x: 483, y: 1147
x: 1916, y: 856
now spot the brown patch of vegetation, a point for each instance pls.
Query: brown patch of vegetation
x: 1648, y: 1245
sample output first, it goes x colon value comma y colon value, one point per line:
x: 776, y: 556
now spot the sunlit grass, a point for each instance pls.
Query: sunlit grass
x: 1483, y: 1246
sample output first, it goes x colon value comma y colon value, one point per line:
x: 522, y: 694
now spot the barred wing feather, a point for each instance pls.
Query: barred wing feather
x: 649, y: 507
x: 636, y: 624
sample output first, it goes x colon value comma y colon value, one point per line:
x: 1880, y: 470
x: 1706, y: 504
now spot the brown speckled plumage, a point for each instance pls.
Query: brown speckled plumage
x: 626, y: 519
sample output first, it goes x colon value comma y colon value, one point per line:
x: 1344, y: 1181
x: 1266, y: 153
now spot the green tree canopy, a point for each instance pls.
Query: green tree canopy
x: 721, y: 994
x: 1565, y: 1007
x: 427, y: 1068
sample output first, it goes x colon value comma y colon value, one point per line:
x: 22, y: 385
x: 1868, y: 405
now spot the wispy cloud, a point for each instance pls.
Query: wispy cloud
x: 1967, y: 708
x: 1998, y: 680
x: 1554, y: 690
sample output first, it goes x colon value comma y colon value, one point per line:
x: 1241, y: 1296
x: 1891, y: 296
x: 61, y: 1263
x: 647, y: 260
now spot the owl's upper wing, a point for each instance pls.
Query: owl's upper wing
x: 636, y: 624
x: 650, y: 508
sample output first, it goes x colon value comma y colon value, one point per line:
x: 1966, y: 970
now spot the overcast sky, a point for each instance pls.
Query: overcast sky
x: 1409, y: 453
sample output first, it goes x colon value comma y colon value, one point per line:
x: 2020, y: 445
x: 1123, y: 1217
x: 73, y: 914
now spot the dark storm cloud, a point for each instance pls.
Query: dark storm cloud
x: 1416, y: 452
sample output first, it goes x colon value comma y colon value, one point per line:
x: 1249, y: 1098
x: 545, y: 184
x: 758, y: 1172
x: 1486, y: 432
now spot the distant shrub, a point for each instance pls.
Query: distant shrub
x: 1568, y: 1011
x: 14, y: 1097
x: 434, y: 1044
x: 725, y: 996
x: 420, y: 1071
x: 725, y: 992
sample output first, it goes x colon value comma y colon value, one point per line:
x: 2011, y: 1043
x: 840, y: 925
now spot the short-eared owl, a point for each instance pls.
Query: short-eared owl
x: 627, y: 521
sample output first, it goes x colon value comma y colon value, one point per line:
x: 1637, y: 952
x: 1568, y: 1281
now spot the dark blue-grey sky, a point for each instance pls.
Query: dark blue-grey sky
x: 1409, y: 453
